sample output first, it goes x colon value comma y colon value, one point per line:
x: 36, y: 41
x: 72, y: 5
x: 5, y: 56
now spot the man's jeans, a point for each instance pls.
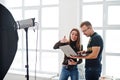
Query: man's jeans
x: 92, y: 73
x: 71, y: 72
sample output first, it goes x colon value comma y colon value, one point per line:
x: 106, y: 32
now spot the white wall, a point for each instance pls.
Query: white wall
x: 2, y: 1
x: 68, y: 16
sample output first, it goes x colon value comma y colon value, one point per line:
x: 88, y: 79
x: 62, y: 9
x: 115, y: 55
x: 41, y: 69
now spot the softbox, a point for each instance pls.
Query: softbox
x: 8, y: 40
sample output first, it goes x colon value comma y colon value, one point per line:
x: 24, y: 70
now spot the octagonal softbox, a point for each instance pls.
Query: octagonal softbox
x: 8, y: 40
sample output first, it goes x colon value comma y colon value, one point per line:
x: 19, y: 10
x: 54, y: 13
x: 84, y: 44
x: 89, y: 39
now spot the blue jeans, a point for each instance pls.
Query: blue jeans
x: 92, y: 73
x: 69, y: 72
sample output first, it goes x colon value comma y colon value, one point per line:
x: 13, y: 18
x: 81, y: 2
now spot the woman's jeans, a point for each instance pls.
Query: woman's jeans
x: 92, y: 73
x: 71, y: 72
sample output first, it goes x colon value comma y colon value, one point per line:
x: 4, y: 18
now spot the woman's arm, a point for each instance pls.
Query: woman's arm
x: 58, y: 44
x: 62, y: 42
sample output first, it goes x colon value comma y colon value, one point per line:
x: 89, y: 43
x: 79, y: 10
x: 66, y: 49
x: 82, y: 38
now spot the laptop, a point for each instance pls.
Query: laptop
x: 68, y: 51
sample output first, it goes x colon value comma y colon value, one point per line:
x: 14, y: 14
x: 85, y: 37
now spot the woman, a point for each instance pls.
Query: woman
x: 69, y: 65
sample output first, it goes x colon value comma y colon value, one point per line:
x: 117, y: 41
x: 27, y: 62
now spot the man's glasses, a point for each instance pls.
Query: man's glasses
x: 85, y: 30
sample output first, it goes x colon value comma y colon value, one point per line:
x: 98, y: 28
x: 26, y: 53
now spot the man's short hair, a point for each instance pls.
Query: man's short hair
x: 87, y: 23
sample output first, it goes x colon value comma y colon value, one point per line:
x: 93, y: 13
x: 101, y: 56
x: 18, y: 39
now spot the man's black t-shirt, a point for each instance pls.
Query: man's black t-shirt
x: 95, y: 40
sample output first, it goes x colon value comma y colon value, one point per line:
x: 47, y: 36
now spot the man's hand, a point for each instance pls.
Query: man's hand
x: 81, y: 52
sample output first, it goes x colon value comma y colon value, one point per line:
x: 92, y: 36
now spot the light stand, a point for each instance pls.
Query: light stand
x: 27, y: 61
x: 25, y: 24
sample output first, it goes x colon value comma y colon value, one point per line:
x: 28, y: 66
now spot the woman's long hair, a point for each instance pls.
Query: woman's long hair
x: 78, y: 38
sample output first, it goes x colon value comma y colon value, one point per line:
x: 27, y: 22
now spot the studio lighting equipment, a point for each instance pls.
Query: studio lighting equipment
x: 22, y: 24
x: 9, y: 39
x: 25, y: 24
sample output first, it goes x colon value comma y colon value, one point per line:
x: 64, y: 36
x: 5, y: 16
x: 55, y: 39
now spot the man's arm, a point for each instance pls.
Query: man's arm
x: 94, y: 54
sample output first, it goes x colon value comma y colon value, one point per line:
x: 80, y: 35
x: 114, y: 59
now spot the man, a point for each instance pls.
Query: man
x: 93, y: 60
